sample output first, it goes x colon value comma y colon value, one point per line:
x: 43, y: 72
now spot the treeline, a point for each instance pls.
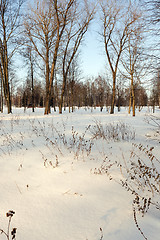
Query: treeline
x: 92, y: 93
x: 47, y: 36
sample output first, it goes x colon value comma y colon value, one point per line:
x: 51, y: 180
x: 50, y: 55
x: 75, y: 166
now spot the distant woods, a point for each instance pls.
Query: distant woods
x: 46, y: 36
x: 91, y: 93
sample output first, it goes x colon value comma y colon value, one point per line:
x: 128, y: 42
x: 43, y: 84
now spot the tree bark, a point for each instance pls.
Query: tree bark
x: 1, y: 89
x: 113, y: 94
x: 4, y: 66
x: 62, y: 93
x: 133, y: 95
x: 72, y: 94
x: 32, y: 80
x: 158, y: 89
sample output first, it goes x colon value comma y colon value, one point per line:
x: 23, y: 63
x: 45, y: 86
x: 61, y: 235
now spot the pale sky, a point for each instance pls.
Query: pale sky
x: 93, y: 53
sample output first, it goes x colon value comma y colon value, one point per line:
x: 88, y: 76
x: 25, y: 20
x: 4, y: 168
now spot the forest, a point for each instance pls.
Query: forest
x: 47, y: 37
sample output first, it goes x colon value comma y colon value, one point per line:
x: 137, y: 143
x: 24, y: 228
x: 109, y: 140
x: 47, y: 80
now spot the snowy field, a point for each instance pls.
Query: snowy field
x: 86, y: 175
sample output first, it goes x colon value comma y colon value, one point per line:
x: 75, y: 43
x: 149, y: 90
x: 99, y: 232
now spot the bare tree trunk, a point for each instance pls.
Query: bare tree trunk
x: 48, y: 91
x: 69, y: 98
x: 24, y: 100
x: 133, y: 95
x: 153, y: 106
x: 32, y: 77
x: 4, y: 59
x: 6, y: 86
x: 113, y: 94
x: 130, y: 101
x: 72, y: 95
x: 158, y: 89
x: 62, y: 93
x: 8, y: 97
x: 1, y: 96
x: 32, y: 80
x: 119, y: 101
x: 56, y: 93
x: 49, y: 78
x: 32, y: 90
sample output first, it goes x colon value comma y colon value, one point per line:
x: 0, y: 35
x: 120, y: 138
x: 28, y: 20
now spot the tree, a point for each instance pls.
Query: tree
x: 45, y: 25
x: 154, y: 8
x: 158, y: 87
x: 1, y: 106
x: 73, y: 78
x: 100, y: 84
x: 141, y: 98
x: 120, y: 91
x: 155, y: 94
x: 9, y: 41
x: 23, y: 94
x: 78, y: 25
x: 40, y: 29
x: 117, y: 25
x: 132, y: 59
x: 30, y: 57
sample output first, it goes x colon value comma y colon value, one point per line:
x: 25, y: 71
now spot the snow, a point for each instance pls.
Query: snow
x: 49, y: 176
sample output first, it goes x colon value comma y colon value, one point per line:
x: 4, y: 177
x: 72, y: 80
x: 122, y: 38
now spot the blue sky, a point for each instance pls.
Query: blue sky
x: 93, y: 53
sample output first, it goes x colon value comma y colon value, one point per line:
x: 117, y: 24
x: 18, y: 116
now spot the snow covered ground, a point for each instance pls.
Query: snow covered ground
x: 62, y: 175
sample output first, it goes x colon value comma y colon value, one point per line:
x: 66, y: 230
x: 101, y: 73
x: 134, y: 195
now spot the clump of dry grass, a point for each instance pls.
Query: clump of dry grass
x: 112, y: 131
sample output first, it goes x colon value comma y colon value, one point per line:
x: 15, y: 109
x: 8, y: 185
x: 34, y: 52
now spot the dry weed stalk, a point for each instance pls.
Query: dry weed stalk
x: 9, y: 233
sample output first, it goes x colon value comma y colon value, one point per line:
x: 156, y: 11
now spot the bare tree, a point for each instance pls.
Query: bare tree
x: 155, y: 93
x: 79, y: 23
x: 40, y: 29
x: 1, y: 106
x: 132, y: 60
x: 154, y: 8
x: 100, y: 83
x: 31, y: 63
x: 29, y: 57
x: 152, y: 11
x: 117, y: 25
x: 74, y: 77
x: 158, y: 87
x: 9, y: 41
x: 45, y: 25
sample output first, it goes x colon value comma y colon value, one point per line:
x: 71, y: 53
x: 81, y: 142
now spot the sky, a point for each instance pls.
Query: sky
x: 93, y: 53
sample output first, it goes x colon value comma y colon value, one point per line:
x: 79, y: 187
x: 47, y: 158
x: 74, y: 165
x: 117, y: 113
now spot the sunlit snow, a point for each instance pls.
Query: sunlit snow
x: 51, y: 175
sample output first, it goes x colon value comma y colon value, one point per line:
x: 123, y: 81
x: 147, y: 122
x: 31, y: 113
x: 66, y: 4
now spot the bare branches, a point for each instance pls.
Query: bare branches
x: 9, y: 40
x: 118, y: 21
x: 74, y: 34
x: 53, y: 28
